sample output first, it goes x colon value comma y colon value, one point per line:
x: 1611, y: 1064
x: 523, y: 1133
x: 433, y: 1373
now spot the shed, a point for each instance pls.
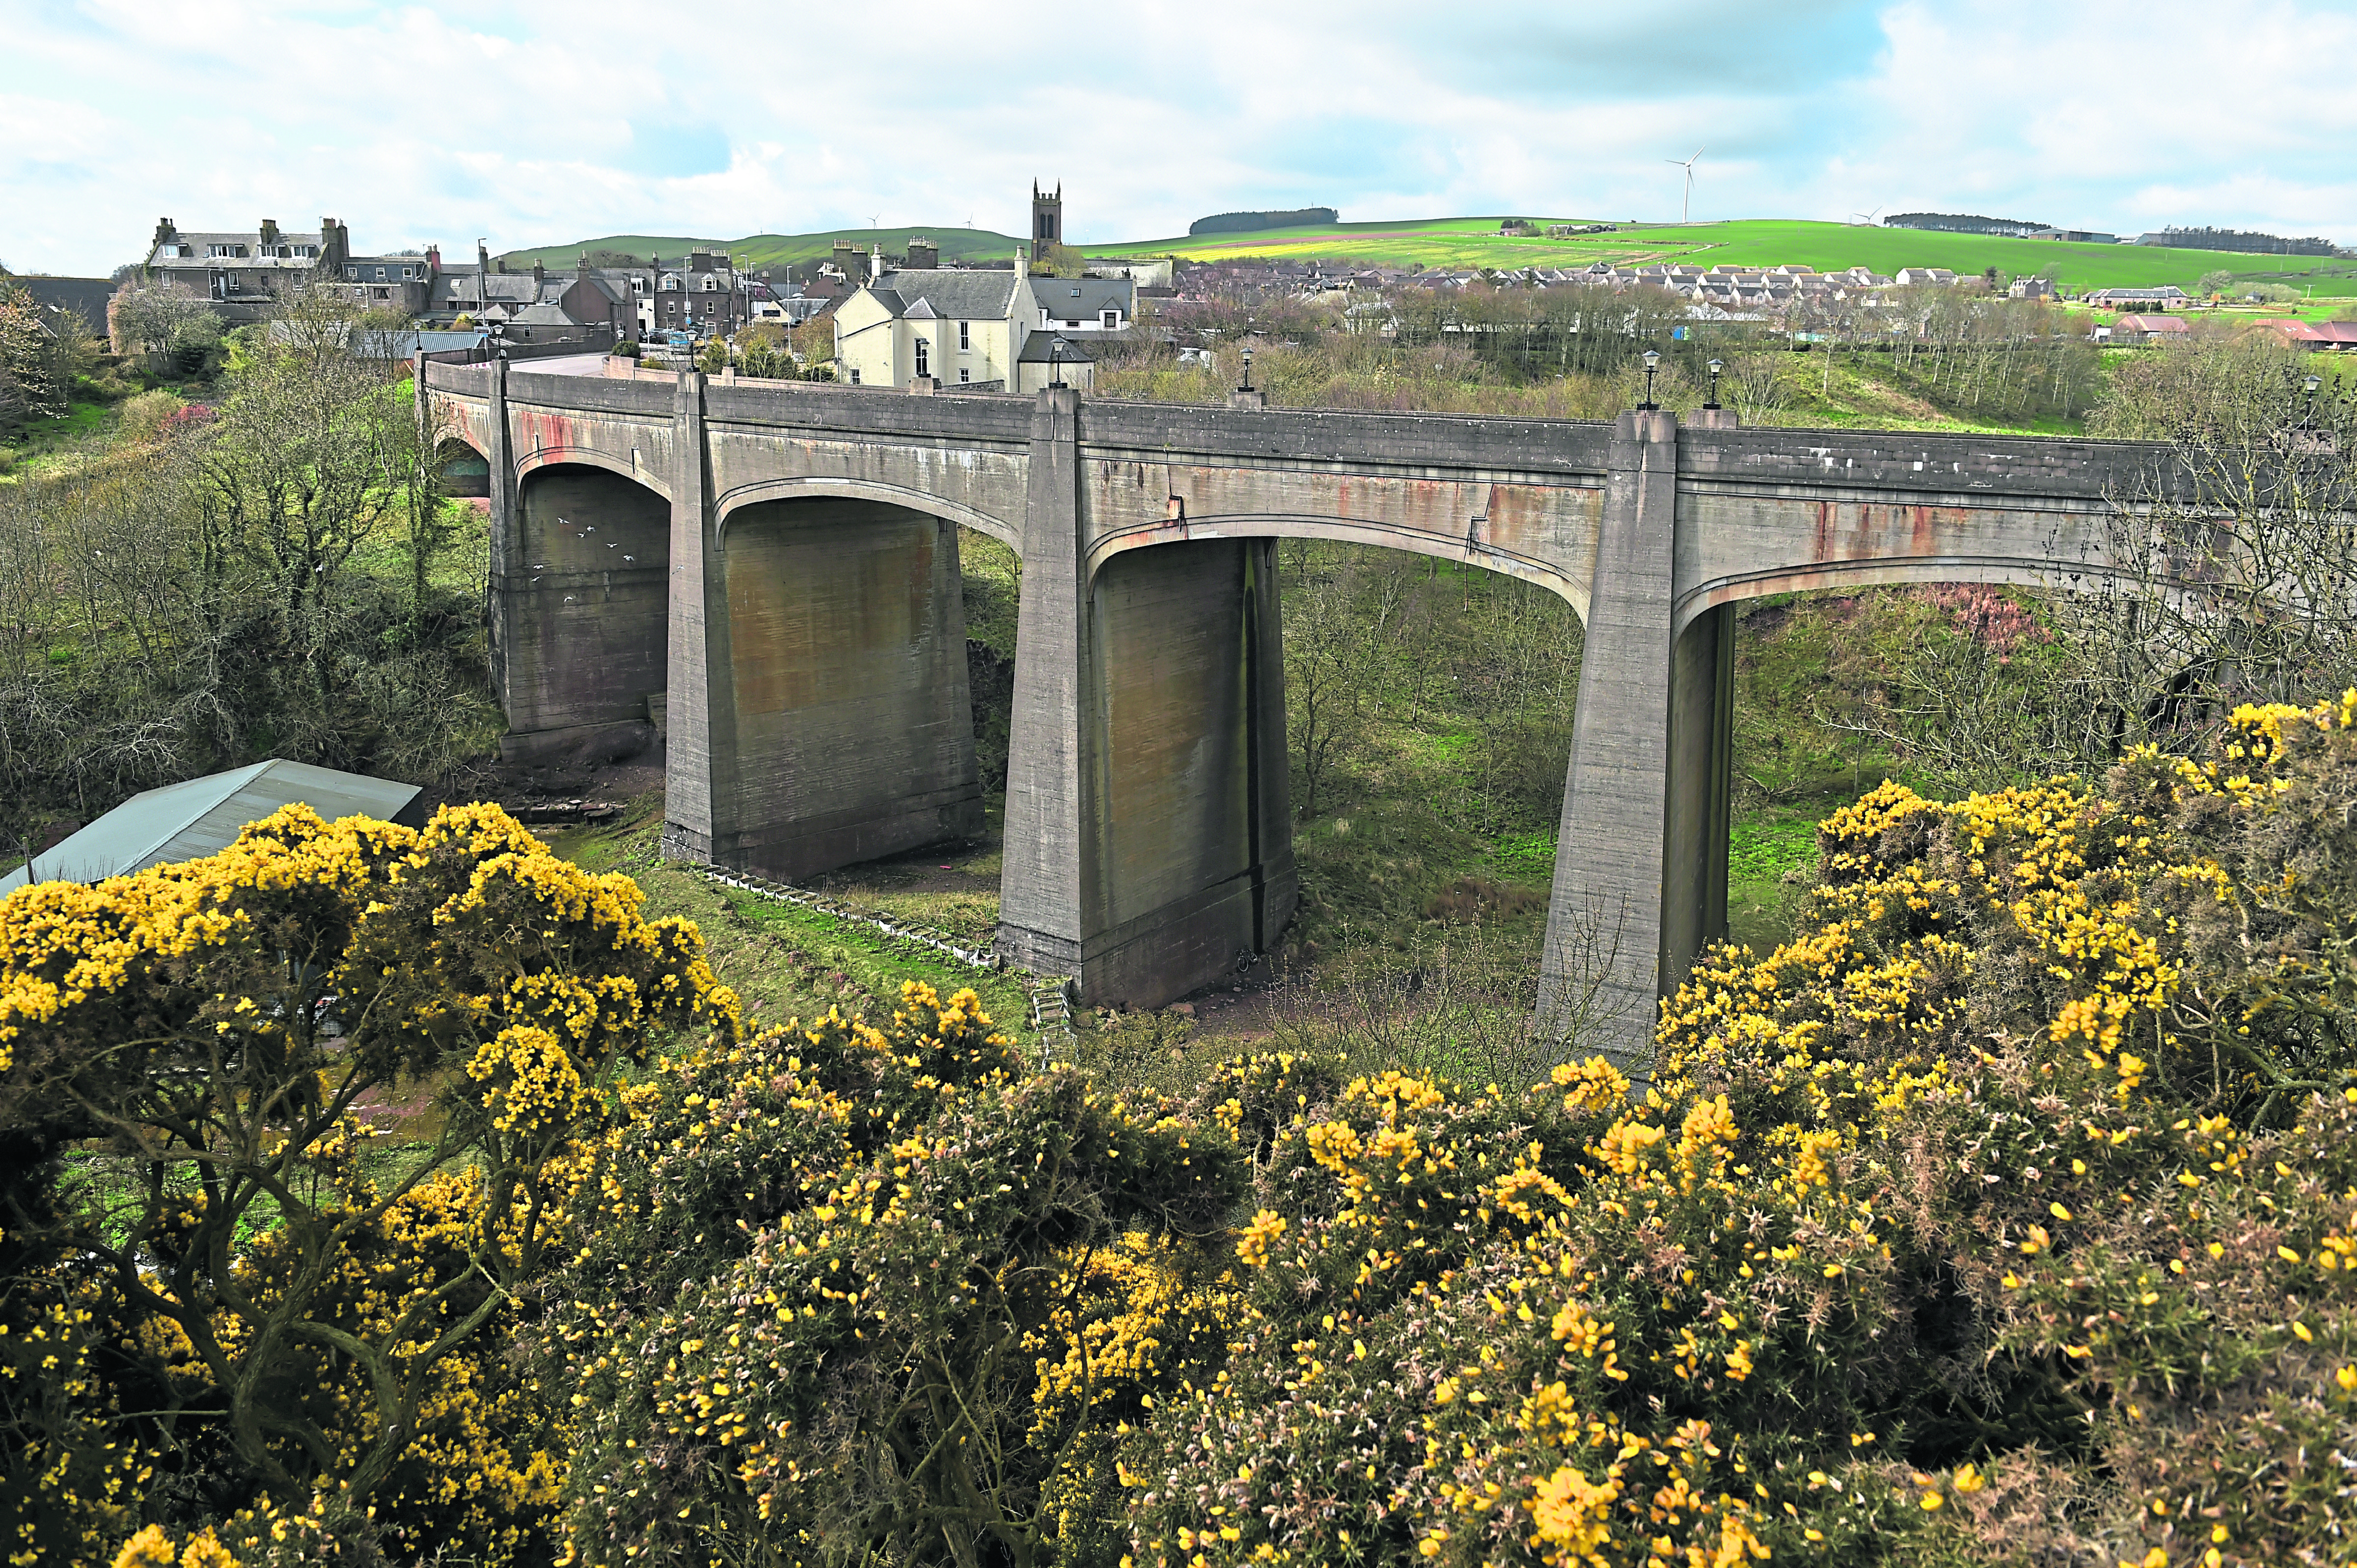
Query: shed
x: 201, y: 816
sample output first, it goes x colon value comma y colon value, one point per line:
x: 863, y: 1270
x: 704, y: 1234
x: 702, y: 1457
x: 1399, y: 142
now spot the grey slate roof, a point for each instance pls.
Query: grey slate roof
x: 200, y: 816
x: 1083, y: 299
x: 200, y: 244
x: 952, y: 293
x: 1044, y: 347
x: 88, y: 295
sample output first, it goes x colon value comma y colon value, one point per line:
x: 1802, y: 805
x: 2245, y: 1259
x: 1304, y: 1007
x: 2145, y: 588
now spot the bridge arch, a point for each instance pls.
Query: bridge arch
x: 731, y: 502
x: 461, y: 468
x: 1471, y: 550
x: 842, y: 728
x: 579, y: 456
x: 582, y: 628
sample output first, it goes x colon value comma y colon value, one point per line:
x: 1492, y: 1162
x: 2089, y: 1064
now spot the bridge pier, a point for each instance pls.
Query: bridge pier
x: 1149, y: 843
x: 828, y: 636
x: 1640, y: 857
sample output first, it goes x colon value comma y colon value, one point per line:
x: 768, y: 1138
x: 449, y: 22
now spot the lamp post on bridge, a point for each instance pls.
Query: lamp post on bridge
x: 1712, y: 400
x: 1652, y: 361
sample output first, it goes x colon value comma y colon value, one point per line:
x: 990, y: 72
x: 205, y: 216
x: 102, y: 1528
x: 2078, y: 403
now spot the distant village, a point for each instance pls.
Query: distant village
x: 915, y: 318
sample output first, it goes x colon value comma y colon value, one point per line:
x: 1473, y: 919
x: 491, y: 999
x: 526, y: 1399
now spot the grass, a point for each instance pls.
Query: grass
x: 784, y: 961
x: 42, y: 443
x: 758, y: 251
x: 1474, y: 242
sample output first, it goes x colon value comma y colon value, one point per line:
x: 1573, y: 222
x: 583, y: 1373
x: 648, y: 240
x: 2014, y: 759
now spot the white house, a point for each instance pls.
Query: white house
x: 975, y: 328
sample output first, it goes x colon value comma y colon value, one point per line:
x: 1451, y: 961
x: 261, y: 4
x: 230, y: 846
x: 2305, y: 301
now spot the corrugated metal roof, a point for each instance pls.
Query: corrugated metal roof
x: 202, y: 816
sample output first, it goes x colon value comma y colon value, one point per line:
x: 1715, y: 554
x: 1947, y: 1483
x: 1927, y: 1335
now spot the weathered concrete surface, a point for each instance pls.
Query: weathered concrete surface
x: 1052, y: 784
x: 1768, y: 511
x: 853, y: 736
x: 1189, y: 872
x: 1612, y: 850
x: 1143, y: 835
x: 586, y: 611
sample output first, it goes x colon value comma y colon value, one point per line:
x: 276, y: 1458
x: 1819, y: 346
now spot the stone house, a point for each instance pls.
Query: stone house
x: 245, y: 271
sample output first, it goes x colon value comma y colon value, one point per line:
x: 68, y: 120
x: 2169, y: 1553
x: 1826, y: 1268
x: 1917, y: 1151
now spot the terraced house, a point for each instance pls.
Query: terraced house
x: 244, y: 271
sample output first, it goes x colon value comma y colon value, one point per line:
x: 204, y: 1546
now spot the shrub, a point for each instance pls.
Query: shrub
x: 240, y: 1299
x: 2008, y: 1214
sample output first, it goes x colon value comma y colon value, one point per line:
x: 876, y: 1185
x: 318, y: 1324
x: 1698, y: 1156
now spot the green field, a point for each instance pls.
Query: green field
x: 1475, y: 242
x: 756, y: 251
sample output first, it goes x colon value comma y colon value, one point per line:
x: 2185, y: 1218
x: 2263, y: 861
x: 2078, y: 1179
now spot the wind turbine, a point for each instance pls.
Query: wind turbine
x: 1685, y: 208
x: 1867, y: 220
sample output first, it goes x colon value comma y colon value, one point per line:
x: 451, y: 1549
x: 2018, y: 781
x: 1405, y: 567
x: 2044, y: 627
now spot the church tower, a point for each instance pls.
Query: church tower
x: 1046, y: 216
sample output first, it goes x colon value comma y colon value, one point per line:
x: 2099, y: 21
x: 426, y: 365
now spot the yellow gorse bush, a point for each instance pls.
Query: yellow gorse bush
x: 2007, y: 1213
x: 234, y: 1253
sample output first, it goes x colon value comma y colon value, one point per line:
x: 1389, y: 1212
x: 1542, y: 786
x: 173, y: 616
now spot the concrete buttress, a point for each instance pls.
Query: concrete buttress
x: 699, y: 805
x: 1050, y: 785
x: 1607, y: 948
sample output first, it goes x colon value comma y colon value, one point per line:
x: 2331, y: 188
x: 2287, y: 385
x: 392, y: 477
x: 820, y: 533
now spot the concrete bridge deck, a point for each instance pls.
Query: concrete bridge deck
x: 779, y: 562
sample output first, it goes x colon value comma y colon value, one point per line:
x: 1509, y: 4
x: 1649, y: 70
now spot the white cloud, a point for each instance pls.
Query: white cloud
x: 532, y: 126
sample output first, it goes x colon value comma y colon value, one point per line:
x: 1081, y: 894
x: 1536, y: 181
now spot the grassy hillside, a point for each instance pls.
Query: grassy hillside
x: 779, y: 249
x: 1475, y: 242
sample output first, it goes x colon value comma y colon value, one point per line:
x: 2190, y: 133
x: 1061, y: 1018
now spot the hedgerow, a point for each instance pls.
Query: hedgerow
x: 2008, y: 1214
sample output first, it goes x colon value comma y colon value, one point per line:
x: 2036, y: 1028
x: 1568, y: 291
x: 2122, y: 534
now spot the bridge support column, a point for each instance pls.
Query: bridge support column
x: 506, y: 545
x: 1050, y: 787
x: 1640, y: 860
x: 699, y: 797
x: 1149, y: 829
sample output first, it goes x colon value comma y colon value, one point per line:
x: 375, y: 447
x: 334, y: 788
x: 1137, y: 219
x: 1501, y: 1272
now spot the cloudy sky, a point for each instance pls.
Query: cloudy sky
x: 551, y: 123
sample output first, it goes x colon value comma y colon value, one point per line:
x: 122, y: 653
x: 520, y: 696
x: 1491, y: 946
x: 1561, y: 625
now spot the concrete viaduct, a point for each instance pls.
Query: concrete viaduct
x: 779, y: 562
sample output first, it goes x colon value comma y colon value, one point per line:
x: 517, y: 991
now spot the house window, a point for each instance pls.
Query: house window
x: 353, y: 273
x: 711, y: 285
x: 924, y: 357
x: 1110, y: 320
x: 854, y: 375
x: 965, y: 374
x: 966, y: 337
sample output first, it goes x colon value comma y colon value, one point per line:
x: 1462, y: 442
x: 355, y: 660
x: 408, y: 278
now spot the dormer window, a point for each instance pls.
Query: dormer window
x: 353, y: 273
x: 1109, y: 320
x: 711, y: 283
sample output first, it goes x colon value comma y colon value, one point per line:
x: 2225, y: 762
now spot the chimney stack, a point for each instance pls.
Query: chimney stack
x: 164, y: 231
x: 1022, y: 263
x: 923, y: 254
x: 270, y: 230
x: 539, y: 277
x: 482, y: 256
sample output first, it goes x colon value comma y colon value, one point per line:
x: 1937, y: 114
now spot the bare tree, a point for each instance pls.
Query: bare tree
x: 2233, y: 578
